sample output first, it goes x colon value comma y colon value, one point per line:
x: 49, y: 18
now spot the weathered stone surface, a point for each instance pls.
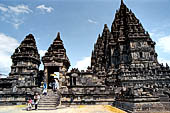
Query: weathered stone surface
x: 124, y: 69
x: 56, y: 60
x: 23, y: 78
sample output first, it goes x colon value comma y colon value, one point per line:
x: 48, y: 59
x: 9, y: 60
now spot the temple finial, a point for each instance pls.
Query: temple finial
x: 105, y: 28
x: 58, y: 36
x: 122, y: 2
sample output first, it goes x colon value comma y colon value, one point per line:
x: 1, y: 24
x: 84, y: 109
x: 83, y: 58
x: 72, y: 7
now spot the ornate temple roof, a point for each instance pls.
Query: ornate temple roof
x: 56, y: 52
x: 126, y: 25
x: 27, y: 50
x: 115, y: 46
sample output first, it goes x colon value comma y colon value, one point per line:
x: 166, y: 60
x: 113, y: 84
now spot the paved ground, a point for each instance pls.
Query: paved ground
x: 72, y: 109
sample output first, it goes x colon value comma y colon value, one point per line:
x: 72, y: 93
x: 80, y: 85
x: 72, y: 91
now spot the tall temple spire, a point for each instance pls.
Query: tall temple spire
x: 56, y: 52
x: 27, y: 53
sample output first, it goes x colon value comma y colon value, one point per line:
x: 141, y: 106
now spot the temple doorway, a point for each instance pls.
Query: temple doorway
x: 53, y: 73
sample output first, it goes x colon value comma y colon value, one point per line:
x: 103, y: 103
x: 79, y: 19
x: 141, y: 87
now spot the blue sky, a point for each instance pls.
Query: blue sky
x: 79, y: 22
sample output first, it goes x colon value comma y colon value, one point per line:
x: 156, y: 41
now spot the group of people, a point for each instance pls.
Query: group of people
x: 35, y: 102
x: 55, y: 86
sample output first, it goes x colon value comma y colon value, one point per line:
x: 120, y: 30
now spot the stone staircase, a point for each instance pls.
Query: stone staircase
x: 50, y: 101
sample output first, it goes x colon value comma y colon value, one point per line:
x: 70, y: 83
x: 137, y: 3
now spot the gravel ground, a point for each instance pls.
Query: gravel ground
x: 72, y: 109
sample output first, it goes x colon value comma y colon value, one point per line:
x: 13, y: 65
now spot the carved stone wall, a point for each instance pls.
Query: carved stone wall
x: 23, y: 79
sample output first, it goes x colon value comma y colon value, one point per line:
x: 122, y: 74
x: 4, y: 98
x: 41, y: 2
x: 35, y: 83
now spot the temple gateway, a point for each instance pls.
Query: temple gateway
x: 124, y: 71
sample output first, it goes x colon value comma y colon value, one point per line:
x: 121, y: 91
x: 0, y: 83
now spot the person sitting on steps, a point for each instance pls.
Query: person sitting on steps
x: 29, y: 108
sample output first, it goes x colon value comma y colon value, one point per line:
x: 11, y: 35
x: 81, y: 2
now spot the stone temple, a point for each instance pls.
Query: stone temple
x: 124, y: 70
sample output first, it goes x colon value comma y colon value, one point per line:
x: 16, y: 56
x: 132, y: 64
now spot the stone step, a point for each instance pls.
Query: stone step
x: 52, y: 93
x: 44, y: 106
x: 47, y: 107
x: 49, y: 96
x: 48, y: 100
x: 47, y: 103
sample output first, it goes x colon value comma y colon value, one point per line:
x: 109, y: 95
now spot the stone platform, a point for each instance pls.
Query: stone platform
x: 143, y: 107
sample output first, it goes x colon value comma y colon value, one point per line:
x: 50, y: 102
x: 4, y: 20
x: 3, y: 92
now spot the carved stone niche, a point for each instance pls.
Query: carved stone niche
x: 73, y: 79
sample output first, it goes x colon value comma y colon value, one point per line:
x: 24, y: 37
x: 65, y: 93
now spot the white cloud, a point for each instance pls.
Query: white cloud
x: 92, y: 21
x: 14, y: 14
x: 16, y: 25
x: 151, y: 34
x: 42, y: 53
x: 4, y: 9
x: 7, y: 47
x: 164, y: 43
x: 43, y: 8
x: 3, y: 76
x: 19, y: 9
x: 16, y: 22
x: 83, y: 64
